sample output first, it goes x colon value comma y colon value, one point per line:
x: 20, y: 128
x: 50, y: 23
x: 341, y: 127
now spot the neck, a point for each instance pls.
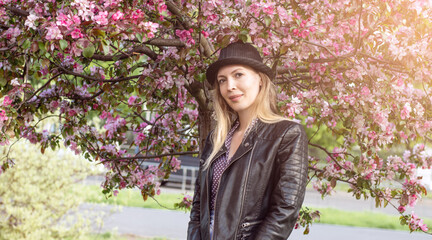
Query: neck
x: 245, y: 119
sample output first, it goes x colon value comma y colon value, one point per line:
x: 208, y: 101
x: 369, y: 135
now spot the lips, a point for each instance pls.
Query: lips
x: 235, y: 98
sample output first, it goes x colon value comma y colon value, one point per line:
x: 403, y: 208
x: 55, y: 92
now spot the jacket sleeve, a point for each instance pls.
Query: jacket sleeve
x: 194, y: 222
x: 288, y: 194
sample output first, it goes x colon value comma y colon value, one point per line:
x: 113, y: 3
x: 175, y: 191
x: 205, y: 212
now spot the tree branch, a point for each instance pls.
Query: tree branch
x: 282, y: 70
x: 112, y: 80
x: 328, y: 153
x: 136, y: 50
x: 151, y: 156
x: 78, y: 97
x: 5, y: 49
x: 294, y: 79
x: 37, y: 91
x: 379, y: 60
x: 160, y: 42
x: 18, y: 11
x: 186, y: 21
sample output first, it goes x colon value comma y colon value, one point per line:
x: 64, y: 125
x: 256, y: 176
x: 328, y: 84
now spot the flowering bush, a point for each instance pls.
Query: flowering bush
x: 356, y: 73
x: 39, y: 196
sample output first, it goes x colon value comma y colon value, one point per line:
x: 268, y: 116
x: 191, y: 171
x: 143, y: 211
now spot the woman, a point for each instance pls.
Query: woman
x: 253, y: 168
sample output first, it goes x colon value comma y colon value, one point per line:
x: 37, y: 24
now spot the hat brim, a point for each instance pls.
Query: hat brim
x: 213, y: 69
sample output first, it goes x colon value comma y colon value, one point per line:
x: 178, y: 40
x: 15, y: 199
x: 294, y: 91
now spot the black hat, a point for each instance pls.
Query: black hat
x: 238, y: 53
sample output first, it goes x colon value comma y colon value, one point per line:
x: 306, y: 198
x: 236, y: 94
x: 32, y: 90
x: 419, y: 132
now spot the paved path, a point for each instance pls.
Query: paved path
x: 345, y: 201
x: 173, y: 224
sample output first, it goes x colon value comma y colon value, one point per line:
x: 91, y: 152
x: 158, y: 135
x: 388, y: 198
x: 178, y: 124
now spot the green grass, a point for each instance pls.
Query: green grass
x: 113, y: 236
x: 132, y: 198
x: 363, y: 219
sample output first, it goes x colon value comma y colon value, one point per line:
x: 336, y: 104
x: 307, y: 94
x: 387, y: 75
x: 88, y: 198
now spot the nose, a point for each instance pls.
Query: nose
x: 231, y: 84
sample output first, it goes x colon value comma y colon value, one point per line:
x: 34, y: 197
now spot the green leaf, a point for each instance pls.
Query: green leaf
x: 89, y: 51
x: 63, y: 44
x: 42, y: 47
x: 226, y: 40
x: 267, y: 21
x: 3, y: 81
x: 139, y: 36
x: 106, y: 48
x: 26, y: 44
x: 243, y: 37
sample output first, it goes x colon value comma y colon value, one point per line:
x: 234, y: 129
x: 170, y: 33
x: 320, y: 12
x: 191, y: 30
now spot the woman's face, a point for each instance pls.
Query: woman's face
x: 239, y: 86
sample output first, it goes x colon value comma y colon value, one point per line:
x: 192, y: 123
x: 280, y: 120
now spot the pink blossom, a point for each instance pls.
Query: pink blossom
x: 31, y: 19
x: 113, y: 124
x: 143, y: 125
x: 412, y: 200
x: 190, y: 41
x: 73, y: 146
x: 7, y: 101
x: 53, y: 105
x: 117, y: 16
x: 205, y: 34
x: 78, y: 68
x: 184, y: 35
x: 372, y: 135
x: 115, y: 193
x: 101, y: 18
x: 268, y: 9
x: 12, y: 33
x: 76, y: 20
x: 162, y: 7
x: 138, y: 14
x: 3, y: 116
x: 151, y: 28
x: 63, y: 20
x: 416, y: 223
x: 303, y: 23
x: 304, y: 33
x: 365, y: 91
x: 187, y: 201
x: 266, y: 51
x: 139, y: 138
x: 400, y: 82
x: 105, y: 115
x: 53, y: 33
x: 406, y: 110
x: 76, y: 33
x: 131, y: 100
x: 175, y: 164
x: 72, y: 112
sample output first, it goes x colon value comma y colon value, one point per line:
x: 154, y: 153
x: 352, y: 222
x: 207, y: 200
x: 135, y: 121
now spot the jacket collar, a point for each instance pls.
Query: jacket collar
x: 245, y: 146
x: 248, y: 142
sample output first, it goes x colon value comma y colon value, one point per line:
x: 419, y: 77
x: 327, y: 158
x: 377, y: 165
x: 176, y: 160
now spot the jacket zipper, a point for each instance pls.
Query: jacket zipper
x: 247, y: 224
x: 217, y: 190
x: 244, y: 190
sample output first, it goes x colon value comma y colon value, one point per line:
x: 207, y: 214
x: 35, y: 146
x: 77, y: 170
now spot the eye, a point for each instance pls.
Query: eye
x: 221, y: 80
x: 237, y: 75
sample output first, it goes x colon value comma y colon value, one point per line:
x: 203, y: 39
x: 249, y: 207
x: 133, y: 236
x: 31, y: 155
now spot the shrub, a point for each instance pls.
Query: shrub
x: 39, y: 197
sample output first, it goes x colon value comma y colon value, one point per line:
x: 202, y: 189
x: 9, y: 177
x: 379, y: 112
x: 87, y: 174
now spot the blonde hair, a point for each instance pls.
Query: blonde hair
x: 265, y: 109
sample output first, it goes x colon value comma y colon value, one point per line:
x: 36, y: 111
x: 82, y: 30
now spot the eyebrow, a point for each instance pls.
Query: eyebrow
x: 235, y: 70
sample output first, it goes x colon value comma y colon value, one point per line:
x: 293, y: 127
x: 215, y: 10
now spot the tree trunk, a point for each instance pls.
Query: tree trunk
x: 205, y: 125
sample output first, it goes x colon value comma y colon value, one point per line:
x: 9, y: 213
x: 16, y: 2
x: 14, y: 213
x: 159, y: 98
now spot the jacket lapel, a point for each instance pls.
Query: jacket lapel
x: 247, y: 143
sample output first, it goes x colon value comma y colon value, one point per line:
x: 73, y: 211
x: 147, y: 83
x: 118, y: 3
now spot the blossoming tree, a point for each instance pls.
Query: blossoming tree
x: 355, y: 72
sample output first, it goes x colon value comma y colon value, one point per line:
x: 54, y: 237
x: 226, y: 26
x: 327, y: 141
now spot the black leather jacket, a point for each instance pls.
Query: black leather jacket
x: 261, y: 191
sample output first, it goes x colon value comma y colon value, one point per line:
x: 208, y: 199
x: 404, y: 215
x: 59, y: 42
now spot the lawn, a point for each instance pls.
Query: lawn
x: 132, y: 198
